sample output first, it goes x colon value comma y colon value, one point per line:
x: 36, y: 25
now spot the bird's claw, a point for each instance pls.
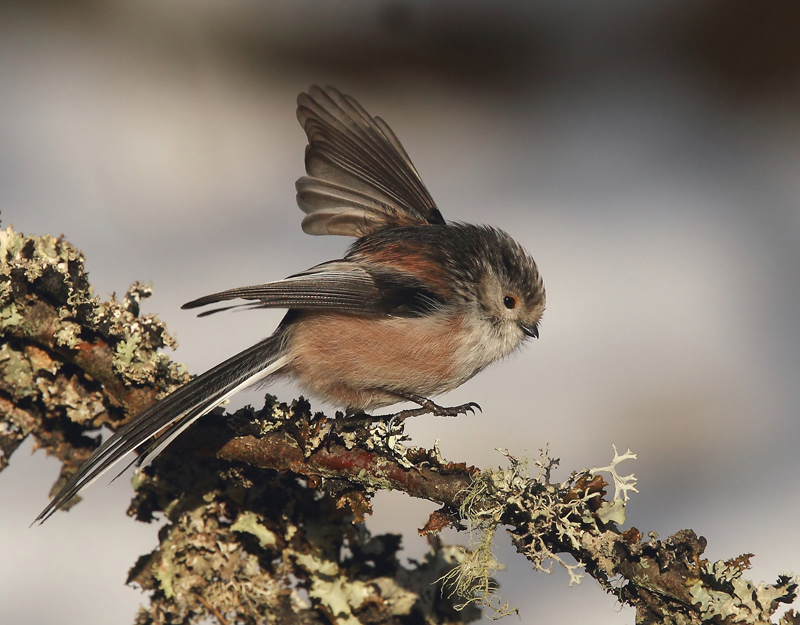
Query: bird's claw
x: 471, y: 406
x: 454, y: 411
x: 426, y: 406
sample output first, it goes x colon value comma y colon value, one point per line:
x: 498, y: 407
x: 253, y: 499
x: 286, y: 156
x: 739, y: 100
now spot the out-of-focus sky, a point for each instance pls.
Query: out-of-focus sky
x: 645, y: 153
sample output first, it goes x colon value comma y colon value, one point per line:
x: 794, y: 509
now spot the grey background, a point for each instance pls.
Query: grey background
x: 645, y: 153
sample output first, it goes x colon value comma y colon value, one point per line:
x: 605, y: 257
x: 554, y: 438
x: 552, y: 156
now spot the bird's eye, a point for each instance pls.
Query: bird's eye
x: 510, y: 302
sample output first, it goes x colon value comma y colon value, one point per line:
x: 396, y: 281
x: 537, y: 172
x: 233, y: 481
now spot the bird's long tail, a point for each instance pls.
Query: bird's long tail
x: 175, y: 413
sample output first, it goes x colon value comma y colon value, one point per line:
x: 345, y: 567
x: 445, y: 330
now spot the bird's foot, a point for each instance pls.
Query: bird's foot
x: 426, y: 406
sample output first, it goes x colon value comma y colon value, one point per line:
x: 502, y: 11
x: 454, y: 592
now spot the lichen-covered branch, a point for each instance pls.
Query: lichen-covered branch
x: 69, y: 363
x: 265, y: 508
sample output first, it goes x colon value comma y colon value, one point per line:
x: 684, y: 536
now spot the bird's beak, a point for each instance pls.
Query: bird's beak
x: 530, y: 330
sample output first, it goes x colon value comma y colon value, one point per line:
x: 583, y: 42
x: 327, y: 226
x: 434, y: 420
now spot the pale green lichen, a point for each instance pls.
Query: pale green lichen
x: 314, y: 563
x: 339, y: 597
x: 387, y: 435
x: 723, y: 593
x: 166, y: 571
x: 250, y: 523
x: 68, y: 335
x: 330, y: 588
x: 9, y: 316
x: 17, y: 372
x: 401, y: 600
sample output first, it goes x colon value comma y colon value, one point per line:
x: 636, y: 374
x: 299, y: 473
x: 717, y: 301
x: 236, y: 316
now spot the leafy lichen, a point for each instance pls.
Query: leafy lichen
x: 722, y: 593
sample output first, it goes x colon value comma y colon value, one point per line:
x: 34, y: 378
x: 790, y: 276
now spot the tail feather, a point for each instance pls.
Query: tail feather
x: 175, y: 413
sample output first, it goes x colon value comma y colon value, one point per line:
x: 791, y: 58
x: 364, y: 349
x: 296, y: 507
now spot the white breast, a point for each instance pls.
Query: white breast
x: 484, y: 342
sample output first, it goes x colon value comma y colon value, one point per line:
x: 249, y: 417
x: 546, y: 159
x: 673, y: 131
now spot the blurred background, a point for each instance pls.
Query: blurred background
x: 646, y: 153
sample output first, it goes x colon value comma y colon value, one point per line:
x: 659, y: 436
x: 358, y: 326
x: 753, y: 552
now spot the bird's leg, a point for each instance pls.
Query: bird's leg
x: 426, y: 406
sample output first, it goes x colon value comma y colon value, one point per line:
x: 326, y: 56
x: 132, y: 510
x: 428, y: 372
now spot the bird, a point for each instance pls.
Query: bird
x: 416, y: 306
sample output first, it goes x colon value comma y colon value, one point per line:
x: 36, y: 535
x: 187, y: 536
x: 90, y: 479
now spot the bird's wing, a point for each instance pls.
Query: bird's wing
x: 336, y: 285
x: 360, y: 177
x: 340, y: 285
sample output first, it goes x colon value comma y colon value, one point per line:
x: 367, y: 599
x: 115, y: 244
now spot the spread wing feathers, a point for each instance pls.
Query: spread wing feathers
x: 174, y: 413
x: 360, y: 177
x: 336, y: 285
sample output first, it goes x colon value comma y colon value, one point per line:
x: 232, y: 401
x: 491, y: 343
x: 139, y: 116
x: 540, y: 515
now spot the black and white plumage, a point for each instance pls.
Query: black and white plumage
x: 415, y: 308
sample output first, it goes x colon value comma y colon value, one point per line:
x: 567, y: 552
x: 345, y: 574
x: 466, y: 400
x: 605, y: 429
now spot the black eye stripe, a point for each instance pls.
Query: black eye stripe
x: 510, y: 302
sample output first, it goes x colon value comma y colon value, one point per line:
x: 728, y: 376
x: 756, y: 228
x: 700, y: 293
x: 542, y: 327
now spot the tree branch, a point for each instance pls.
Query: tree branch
x: 246, y: 536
